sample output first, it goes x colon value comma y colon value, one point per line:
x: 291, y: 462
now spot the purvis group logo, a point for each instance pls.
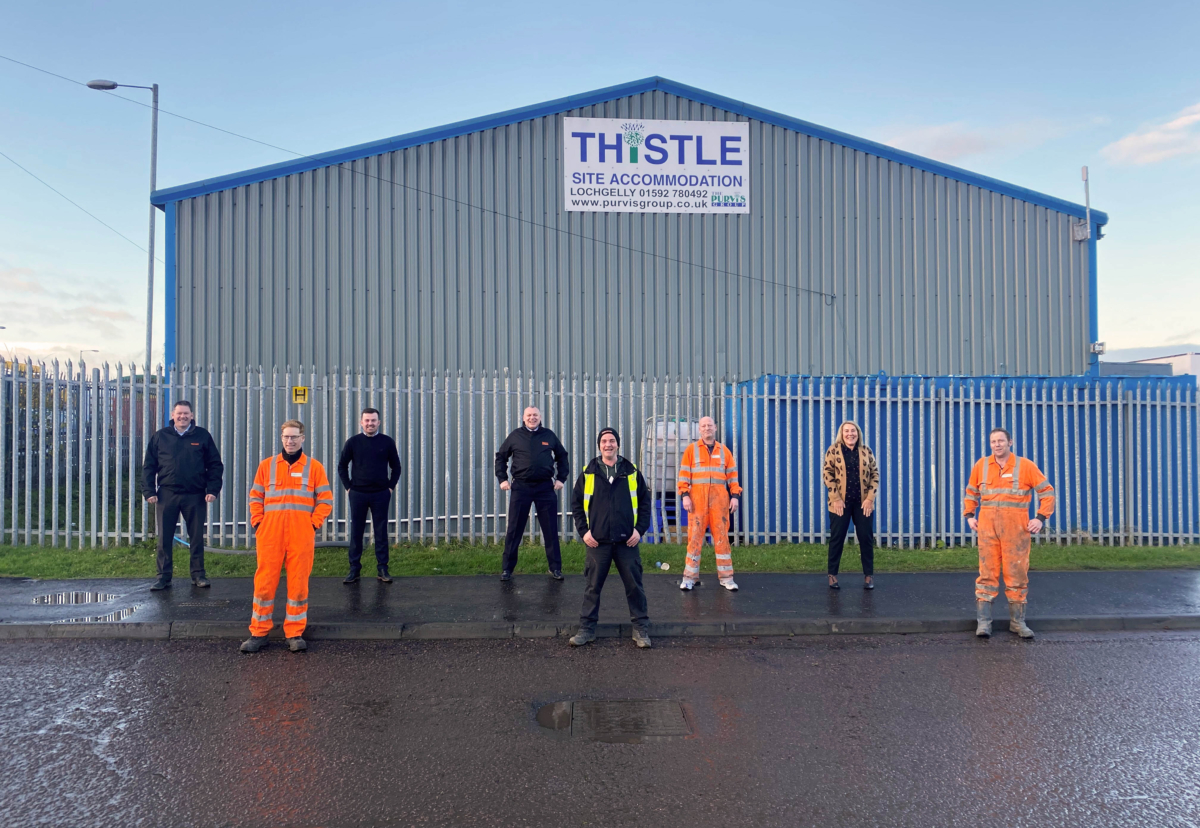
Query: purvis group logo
x: 615, y: 165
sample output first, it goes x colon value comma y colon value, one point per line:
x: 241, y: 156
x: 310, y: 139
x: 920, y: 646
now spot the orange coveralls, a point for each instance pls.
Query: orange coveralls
x: 288, y: 503
x: 709, y: 477
x: 1002, y: 496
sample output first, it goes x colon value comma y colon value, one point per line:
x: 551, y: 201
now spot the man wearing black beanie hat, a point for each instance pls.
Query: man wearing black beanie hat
x: 611, y: 506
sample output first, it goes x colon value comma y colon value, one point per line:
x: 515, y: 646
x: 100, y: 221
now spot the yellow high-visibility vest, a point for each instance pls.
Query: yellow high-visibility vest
x: 589, y: 486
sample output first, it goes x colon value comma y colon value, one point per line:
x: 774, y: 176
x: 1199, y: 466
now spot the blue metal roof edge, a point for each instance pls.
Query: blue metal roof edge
x: 525, y: 113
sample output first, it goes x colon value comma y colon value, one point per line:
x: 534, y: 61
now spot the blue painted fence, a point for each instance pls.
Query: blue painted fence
x: 1122, y: 453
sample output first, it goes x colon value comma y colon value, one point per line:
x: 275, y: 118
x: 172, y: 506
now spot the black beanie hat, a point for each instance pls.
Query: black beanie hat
x: 607, y: 430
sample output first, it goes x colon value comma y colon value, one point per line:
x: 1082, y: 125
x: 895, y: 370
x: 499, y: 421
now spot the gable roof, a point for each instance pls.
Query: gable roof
x: 525, y: 113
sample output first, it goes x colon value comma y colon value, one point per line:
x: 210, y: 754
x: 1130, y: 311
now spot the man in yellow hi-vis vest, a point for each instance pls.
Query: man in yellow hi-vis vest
x: 611, y: 505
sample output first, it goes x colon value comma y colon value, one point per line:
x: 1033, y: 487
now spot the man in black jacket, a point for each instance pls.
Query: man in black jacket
x: 611, y: 505
x: 369, y: 468
x: 539, y: 470
x: 181, y: 475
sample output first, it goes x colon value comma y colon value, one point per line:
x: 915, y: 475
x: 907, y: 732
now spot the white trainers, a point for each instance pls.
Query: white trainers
x: 687, y: 584
x: 730, y: 585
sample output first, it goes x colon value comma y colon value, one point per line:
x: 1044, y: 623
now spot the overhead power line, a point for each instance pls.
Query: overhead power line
x: 62, y: 195
x: 828, y: 297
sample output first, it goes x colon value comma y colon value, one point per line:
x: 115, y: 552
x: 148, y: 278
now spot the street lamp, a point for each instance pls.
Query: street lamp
x: 87, y: 351
x: 108, y: 86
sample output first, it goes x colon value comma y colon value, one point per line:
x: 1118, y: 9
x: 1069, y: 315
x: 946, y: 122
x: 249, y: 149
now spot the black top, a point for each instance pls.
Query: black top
x: 853, y: 475
x: 290, y: 458
x: 183, y: 464
x: 535, y: 454
x: 611, y: 514
x: 369, y: 464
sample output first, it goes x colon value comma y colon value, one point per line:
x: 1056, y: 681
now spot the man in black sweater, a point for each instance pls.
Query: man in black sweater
x: 539, y: 470
x: 369, y: 468
x: 181, y: 475
x: 611, y: 505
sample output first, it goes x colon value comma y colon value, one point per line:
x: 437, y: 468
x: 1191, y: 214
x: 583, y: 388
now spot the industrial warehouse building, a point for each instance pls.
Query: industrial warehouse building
x: 795, y: 250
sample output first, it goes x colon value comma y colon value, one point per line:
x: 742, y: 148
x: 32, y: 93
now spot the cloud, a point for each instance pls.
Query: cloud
x: 19, y: 280
x: 1178, y: 136
x: 956, y: 140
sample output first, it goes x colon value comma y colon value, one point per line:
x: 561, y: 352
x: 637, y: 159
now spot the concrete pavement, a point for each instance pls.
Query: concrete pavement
x: 535, y: 606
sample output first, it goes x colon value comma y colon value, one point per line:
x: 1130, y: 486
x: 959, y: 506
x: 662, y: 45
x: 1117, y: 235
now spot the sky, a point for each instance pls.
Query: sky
x: 1023, y: 92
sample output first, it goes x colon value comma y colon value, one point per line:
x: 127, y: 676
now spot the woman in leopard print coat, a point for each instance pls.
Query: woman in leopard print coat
x: 852, y: 477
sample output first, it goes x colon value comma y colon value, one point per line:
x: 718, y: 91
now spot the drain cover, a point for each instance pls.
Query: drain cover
x: 622, y: 720
x: 75, y: 598
x: 119, y: 615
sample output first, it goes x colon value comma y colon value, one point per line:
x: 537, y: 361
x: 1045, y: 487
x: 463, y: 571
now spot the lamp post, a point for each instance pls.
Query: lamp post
x: 87, y: 351
x: 108, y: 86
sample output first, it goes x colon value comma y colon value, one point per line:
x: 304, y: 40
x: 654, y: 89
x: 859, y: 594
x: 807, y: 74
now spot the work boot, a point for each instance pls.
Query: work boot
x: 253, y: 644
x: 161, y: 583
x: 201, y: 581
x: 297, y: 644
x: 1016, y: 620
x: 384, y: 575
x: 983, y: 619
x: 352, y: 578
x: 583, y: 637
x: 642, y: 639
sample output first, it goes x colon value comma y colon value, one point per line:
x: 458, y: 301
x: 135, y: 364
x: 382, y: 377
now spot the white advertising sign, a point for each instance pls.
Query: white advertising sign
x: 626, y: 165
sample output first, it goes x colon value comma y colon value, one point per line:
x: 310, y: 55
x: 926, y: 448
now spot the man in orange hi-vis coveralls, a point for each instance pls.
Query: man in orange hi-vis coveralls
x: 289, y: 501
x: 708, y: 484
x: 1001, y: 488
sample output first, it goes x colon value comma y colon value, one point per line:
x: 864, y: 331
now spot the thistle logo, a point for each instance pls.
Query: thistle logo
x: 634, y: 136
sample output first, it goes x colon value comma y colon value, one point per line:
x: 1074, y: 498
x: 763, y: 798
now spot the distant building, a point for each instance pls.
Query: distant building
x: 1134, y: 369
x: 1186, y: 363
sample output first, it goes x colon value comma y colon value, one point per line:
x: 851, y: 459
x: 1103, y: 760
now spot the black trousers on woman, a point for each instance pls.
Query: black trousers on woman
x: 864, y: 530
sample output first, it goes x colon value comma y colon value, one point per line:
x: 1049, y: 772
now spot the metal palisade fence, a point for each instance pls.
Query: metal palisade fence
x: 1122, y: 454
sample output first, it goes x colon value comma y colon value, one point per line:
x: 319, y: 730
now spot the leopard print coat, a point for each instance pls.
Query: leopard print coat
x: 834, y: 473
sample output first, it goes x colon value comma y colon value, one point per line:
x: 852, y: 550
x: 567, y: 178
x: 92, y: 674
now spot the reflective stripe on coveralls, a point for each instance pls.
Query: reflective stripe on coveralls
x: 1003, y: 520
x: 589, y: 487
x: 286, y: 508
x: 709, y: 477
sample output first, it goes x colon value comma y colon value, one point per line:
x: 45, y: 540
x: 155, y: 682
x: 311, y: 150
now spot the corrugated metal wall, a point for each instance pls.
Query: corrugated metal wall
x: 457, y: 254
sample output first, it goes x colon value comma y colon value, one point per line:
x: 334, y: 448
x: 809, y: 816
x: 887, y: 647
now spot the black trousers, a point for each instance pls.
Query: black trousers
x: 864, y: 530
x: 167, y: 511
x: 521, y: 496
x: 377, y: 503
x: 629, y: 566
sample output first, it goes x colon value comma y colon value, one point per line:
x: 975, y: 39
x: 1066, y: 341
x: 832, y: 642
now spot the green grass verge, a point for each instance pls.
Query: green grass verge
x: 462, y: 559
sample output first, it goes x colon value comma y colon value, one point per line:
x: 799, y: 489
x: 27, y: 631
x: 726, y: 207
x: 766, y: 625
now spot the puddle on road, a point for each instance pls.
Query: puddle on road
x: 119, y: 615
x: 58, y: 598
x: 627, y: 721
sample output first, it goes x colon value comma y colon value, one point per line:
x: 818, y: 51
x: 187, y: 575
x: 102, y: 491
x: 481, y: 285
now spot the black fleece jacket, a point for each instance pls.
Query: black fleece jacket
x: 611, y: 518
x: 535, y: 454
x: 189, y: 464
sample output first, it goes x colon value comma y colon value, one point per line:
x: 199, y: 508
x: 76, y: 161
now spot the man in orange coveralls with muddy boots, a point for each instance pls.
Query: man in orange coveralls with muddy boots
x: 289, y: 501
x: 708, y: 485
x: 1001, y: 488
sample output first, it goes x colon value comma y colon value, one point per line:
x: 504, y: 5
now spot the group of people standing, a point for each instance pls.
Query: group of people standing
x: 611, y: 506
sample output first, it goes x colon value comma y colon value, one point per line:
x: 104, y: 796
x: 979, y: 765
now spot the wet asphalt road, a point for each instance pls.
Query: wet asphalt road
x: 1072, y: 730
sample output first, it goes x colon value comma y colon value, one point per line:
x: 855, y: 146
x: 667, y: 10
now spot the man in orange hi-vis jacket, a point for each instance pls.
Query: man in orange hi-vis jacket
x: 1001, y: 488
x: 289, y: 501
x: 708, y: 484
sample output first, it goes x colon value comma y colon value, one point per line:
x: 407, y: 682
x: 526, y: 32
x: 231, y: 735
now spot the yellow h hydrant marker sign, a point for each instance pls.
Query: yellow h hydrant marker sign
x: 300, y: 394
